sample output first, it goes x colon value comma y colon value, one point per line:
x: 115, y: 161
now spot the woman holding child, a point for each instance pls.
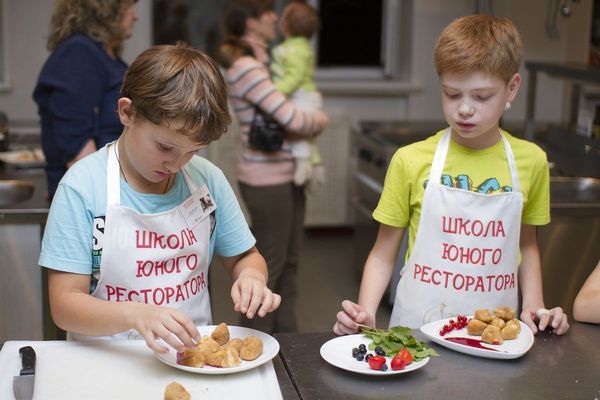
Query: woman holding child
x: 265, y: 179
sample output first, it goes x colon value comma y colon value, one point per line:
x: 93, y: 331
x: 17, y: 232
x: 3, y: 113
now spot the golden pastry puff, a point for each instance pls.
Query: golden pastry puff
x: 221, y: 334
x: 484, y: 315
x: 505, y: 313
x: 498, y: 322
x: 175, y: 391
x: 252, y: 347
x: 492, y: 335
x: 476, y: 327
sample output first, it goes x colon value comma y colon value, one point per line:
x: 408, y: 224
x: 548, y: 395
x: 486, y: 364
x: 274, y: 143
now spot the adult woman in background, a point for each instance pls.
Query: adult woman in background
x: 79, y: 84
x: 265, y: 179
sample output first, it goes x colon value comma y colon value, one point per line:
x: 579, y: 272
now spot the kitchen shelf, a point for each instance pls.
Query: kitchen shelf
x: 575, y: 73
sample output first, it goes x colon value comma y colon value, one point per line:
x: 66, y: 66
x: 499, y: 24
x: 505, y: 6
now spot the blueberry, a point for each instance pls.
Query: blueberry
x: 355, y: 352
x: 379, y: 351
x: 362, y: 348
x: 384, y: 367
x: 360, y: 357
x: 368, y: 356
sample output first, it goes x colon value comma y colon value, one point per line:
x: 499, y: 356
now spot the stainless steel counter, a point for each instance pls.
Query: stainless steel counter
x: 22, y: 289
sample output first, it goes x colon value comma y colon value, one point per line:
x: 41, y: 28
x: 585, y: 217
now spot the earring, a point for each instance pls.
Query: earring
x: 507, y: 106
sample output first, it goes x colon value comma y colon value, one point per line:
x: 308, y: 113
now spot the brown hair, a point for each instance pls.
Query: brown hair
x: 236, y: 13
x: 171, y: 83
x: 300, y: 19
x: 99, y: 19
x: 482, y: 43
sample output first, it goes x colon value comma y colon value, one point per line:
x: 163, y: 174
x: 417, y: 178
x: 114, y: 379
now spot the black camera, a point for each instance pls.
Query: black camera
x: 265, y: 133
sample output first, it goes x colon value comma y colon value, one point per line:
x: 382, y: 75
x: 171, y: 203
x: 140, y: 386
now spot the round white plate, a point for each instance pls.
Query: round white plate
x: 270, y: 350
x: 338, y: 352
x: 507, y: 350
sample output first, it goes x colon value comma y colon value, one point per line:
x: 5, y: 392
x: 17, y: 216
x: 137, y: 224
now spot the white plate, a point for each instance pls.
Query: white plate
x: 338, y: 352
x: 24, y: 158
x: 270, y: 350
x: 507, y: 350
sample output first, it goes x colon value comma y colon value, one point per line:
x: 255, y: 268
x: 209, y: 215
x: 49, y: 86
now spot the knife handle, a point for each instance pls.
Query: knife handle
x: 28, y: 359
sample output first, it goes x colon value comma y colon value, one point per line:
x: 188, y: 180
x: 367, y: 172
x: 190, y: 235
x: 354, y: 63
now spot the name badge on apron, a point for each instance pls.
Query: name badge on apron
x: 197, y: 207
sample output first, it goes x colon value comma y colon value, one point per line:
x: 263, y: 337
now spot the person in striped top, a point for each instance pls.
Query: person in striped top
x: 265, y: 179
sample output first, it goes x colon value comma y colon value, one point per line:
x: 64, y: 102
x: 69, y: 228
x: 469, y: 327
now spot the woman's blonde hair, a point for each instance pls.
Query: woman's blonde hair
x: 479, y: 43
x: 178, y: 84
x: 99, y: 19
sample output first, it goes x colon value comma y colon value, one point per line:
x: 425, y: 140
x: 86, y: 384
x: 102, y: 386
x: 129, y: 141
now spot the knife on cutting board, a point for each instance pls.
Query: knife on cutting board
x: 23, y: 384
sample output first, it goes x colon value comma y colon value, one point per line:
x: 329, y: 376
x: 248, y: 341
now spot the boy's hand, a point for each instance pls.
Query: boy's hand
x: 555, y: 318
x: 351, y: 316
x: 155, y: 322
x: 250, y: 294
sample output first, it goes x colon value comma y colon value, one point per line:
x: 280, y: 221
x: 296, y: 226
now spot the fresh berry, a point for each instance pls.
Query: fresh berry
x: 384, y: 367
x: 360, y: 357
x: 397, y: 363
x: 354, y: 352
x: 368, y: 356
x: 406, y: 356
x: 379, y: 351
x: 362, y: 348
x: 376, y: 362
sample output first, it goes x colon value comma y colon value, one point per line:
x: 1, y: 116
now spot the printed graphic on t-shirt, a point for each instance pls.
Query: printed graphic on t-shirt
x: 97, y: 239
x: 463, y: 181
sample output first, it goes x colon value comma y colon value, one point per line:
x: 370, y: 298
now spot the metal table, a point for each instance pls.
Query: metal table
x: 565, y: 367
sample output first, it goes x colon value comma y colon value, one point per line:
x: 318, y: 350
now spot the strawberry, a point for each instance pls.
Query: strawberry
x: 376, y: 362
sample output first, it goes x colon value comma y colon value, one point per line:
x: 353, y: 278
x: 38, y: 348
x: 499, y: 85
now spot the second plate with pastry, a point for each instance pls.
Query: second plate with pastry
x: 459, y: 340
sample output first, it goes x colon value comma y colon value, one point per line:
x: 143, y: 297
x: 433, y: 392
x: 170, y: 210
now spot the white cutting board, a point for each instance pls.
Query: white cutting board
x: 123, y: 370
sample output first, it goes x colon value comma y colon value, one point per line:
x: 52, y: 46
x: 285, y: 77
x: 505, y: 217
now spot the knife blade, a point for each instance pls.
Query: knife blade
x: 23, y: 384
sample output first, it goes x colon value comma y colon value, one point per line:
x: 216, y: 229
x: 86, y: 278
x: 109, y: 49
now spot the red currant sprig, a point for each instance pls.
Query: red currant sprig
x: 461, y: 322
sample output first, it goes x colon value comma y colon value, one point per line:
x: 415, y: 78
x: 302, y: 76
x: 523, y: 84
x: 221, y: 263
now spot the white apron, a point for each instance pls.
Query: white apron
x: 159, y: 258
x: 465, y: 254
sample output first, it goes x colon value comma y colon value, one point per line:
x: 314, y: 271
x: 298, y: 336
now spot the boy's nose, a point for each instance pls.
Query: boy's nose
x: 466, y: 109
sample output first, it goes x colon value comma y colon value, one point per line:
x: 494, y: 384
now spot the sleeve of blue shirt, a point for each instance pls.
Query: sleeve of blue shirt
x: 73, y: 80
x: 232, y: 234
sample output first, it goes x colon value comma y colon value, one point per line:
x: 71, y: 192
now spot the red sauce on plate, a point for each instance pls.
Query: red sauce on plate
x: 469, y: 342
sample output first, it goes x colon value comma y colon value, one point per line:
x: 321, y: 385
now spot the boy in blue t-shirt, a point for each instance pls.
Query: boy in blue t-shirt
x: 133, y: 227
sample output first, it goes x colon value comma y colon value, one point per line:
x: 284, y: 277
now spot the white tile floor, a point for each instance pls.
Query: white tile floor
x: 327, y: 275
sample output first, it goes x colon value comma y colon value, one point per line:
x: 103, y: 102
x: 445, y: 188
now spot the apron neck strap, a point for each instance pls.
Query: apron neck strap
x: 113, y: 175
x: 439, y: 160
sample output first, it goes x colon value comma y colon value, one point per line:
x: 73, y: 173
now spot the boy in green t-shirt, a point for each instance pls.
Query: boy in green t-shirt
x: 470, y: 197
x: 292, y: 70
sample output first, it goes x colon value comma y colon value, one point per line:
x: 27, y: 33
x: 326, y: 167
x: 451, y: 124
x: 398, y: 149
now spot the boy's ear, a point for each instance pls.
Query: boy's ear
x: 513, y: 87
x: 126, y: 114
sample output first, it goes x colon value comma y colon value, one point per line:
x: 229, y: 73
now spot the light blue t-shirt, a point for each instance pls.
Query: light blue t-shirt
x: 78, y: 209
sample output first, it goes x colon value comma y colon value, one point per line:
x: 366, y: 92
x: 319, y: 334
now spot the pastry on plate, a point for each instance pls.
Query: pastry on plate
x: 252, y: 347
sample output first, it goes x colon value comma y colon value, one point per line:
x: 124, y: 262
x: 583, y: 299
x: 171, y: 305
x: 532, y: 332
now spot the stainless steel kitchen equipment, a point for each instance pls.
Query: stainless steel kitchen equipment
x: 569, y: 247
x: 570, y: 244
x: 14, y: 191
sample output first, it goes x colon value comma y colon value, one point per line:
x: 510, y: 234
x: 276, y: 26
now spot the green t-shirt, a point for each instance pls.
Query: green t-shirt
x: 292, y: 66
x: 482, y: 170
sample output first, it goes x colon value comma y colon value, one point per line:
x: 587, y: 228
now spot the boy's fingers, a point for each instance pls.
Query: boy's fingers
x: 346, y: 324
x: 153, y: 344
x: 351, y: 308
x: 256, y: 297
x: 190, y: 328
x: 236, y: 297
